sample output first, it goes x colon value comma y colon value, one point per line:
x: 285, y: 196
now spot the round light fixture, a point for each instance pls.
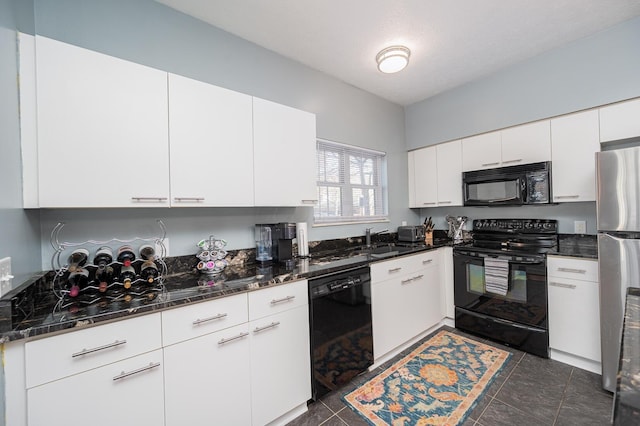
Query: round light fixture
x: 393, y: 59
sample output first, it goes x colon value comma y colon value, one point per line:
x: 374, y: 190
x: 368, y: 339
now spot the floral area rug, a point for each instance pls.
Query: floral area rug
x: 438, y: 383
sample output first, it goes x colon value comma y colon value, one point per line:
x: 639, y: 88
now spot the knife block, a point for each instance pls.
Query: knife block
x: 428, y: 238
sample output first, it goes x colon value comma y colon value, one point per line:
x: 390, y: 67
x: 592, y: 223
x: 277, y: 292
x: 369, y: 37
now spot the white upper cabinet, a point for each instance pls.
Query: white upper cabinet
x: 620, y: 121
x: 284, y: 154
x: 102, y: 130
x: 574, y: 142
x: 211, y: 144
x: 481, y: 151
x: 426, y: 175
x: 529, y: 143
x: 449, y: 157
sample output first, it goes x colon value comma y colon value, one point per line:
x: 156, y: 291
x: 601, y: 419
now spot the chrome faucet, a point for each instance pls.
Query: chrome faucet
x: 368, y: 234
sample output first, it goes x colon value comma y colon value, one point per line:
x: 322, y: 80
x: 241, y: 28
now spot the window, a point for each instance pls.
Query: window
x: 350, y: 184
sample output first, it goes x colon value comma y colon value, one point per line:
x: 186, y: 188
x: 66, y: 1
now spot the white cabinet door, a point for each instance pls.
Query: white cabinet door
x: 620, y: 121
x: 449, y: 156
x: 102, y: 130
x: 529, y: 143
x: 481, y: 151
x: 280, y: 364
x: 284, y: 149
x: 426, y: 177
x: 211, y: 144
x: 412, y: 178
x: 574, y: 142
x: 207, y: 379
x: 126, y: 392
x: 574, y: 317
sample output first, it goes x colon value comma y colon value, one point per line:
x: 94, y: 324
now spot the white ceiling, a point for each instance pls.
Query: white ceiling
x: 452, y: 42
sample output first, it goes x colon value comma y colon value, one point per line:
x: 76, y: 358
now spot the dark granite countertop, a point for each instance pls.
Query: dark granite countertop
x: 36, y: 310
x: 627, y: 398
x: 577, y: 245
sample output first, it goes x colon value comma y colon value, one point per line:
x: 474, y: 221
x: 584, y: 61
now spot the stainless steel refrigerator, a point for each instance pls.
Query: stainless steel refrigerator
x: 618, y: 210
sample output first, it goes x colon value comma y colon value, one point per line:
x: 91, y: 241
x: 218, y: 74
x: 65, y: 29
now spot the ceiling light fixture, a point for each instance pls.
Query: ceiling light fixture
x: 393, y: 59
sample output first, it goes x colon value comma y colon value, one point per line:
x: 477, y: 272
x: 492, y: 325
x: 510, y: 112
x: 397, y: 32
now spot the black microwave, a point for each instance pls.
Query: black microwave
x: 508, y: 186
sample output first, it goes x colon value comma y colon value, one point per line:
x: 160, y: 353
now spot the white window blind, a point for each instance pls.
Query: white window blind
x: 350, y: 184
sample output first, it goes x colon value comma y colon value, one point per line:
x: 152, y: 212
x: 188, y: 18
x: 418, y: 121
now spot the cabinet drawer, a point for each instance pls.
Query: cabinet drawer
x: 202, y: 318
x: 277, y: 299
x: 55, y: 357
x: 572, y: 268
x: 401, y: 266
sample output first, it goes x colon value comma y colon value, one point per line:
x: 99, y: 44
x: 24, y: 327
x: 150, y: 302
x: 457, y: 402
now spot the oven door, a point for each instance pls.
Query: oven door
x: 525, y: 298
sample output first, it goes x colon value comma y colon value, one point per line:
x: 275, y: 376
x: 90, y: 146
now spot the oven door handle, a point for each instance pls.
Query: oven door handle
x: 514, y: 324
x: 517, y: 262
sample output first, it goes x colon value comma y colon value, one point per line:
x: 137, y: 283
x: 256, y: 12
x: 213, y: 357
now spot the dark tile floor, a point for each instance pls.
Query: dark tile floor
x: 529, y: 391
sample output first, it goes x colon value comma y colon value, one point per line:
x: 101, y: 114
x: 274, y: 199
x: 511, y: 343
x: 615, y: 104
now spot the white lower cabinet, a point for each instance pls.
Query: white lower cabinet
x: 205, y: 377
x: 574, y: 311
x: 280, y: 364
x: 405, y: 305
x: 127, y: 392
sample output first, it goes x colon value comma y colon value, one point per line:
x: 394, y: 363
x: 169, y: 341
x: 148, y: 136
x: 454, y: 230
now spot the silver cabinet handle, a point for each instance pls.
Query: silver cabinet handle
x: 445, y: 202
x: 139, y: 370
x: 266, y: 327
x: 567, y: 196
x: 99, y: 348
x: 490, y: 164
x: 418, y: 277
x: 512, y: 161
x: 408, y: 280
x: 309, y: 201
x: 573, y: 271
x: 429, y: 203
x: 395, y: 270
x: 215, y: 317
x: 555, y: 284
x: 231, y: 339
x: 284, y: 299
x: 187, y: 199
x: 154, y: 199
x: 424, y: 262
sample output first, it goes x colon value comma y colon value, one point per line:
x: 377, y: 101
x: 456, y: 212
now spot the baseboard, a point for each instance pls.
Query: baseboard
x: 576, y: 361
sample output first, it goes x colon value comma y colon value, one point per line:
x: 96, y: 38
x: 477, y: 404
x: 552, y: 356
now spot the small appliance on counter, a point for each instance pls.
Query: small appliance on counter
x: 274, y: 242
x: 411, y: 234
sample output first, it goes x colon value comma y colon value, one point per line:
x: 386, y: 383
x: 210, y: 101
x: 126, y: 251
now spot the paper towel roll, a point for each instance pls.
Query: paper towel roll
x: 303, y: 239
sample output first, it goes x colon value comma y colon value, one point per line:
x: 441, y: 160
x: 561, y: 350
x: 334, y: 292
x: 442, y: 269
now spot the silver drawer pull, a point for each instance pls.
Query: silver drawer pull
x: 230, y: 339
x: 567, y: 196
x: 193, y: 199
x: 99, y: 348
x: 418, y: 277
x: 555, y: 284
x: 273, y: 324
x: 429, y: 203
x: 491, y: 164
x: 512, y: 161
x: 309, y: 201
x: 200, y: 321
x: 395, y: 270
x: 284, y: 299
x: 154, y: 199
x: 424, y: 262
x: 445, y: 202
x: 573, y: 271
x: 139, y: 370
x: 407, y: 281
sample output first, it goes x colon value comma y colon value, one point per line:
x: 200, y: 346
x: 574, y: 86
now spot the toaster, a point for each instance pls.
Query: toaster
x: 411, y: 234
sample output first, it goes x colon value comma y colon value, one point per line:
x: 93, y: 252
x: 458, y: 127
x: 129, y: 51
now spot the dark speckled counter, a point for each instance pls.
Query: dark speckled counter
x: 36, y: 310
x: 627, y: 399
x: 577, y: 245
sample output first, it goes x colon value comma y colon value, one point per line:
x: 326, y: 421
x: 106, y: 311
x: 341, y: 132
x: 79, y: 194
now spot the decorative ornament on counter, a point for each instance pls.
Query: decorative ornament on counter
x: 212, y: 256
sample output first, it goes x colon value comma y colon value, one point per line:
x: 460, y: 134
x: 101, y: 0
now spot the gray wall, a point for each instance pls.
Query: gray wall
x: 592, y: 71
x: 19, y: 229
x: 149, y: 33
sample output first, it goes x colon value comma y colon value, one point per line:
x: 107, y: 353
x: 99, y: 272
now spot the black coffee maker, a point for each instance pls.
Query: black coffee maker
x: 282, y: 235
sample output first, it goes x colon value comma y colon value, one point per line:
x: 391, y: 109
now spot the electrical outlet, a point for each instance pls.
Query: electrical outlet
x: 580, y: 226
x: 159, y: 250
x: 5, y: 275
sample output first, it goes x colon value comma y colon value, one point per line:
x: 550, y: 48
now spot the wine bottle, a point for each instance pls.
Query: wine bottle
x: 149, y: 271
x: 77, y: 259
x: 126, y: 255
x: 103, y: 257
x: 104, y: 276
x: 127, y: 275
x: 78, y: 280
x: 147, y: 252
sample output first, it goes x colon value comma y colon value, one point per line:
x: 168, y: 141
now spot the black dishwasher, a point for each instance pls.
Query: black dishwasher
x: 341, y: 334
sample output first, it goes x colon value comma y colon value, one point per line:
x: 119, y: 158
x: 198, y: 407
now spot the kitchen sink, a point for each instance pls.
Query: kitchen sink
x: 386, y: 250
